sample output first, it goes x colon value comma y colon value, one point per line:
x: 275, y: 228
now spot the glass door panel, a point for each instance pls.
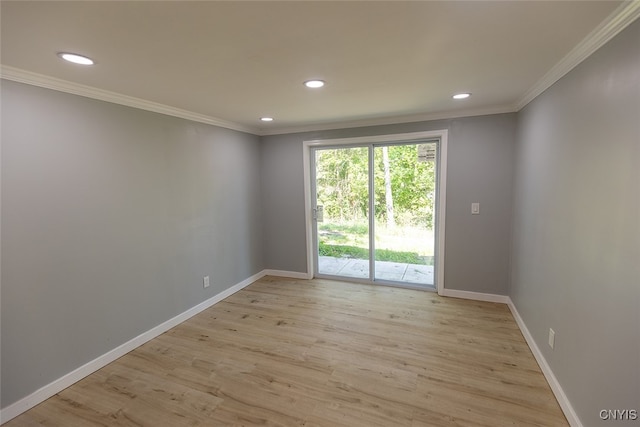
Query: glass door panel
x: 404, y: 204
x: 375, y: 212
x: 341, y: 211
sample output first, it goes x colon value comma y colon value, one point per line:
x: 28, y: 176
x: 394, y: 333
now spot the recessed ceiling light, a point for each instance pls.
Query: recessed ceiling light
x: 314, y: 84
x: 76, y: 59
x: 461, y: 95
x: 266, y: 119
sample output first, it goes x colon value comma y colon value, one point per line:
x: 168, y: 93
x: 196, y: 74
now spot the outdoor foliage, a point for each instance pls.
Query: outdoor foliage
x: 348, y: 251
x: 343, y: 185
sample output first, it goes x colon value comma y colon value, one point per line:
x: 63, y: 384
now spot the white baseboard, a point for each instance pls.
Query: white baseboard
x: 65, y: 381
x: 289, y: 274
x: 561, y: 397
x: 476, y: 296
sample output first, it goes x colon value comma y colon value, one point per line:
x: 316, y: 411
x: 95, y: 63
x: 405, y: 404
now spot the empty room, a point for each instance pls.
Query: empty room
x: 320, y: 213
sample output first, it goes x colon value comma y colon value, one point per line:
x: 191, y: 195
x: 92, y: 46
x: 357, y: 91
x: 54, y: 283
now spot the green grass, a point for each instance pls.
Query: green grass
x: 403, y: 244
x: 347, y: 251
x: 356, y: 229
x: 342, y: 251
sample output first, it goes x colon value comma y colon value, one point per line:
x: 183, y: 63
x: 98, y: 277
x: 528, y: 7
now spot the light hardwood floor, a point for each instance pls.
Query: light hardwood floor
x: 286, y: 352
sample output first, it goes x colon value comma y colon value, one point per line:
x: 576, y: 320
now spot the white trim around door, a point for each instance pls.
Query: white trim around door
x: 440, y: 135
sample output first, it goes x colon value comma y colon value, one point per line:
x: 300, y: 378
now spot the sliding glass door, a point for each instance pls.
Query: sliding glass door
x: 404, y: 203
x: 342, y: 212
x: 374, y: 211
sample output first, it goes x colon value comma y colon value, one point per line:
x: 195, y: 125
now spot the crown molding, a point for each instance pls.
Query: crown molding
x: 35, y: 79
x: 41, y: 80
x: 391, y: 120
x: 617, y: 21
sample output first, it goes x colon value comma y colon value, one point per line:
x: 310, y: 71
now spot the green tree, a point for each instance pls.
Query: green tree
x: 343, y: 188
x: 412, y: 186
x: 342, y: 183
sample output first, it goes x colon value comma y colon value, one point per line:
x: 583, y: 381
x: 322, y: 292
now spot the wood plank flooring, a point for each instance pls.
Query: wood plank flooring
x: 286, y: 352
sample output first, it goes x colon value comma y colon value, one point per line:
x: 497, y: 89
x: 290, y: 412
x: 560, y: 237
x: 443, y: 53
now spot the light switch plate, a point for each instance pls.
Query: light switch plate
x: 475, y: 208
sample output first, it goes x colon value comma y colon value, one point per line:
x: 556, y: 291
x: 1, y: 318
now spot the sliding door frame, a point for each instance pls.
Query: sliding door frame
x: 440, y: 137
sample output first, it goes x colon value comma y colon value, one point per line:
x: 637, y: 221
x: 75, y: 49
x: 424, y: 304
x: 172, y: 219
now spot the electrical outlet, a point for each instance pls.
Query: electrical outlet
x: 552, y: 337
x: 206, y: 281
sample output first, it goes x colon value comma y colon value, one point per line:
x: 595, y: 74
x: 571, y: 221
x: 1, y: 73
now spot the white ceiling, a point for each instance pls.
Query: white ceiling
x: 238, y: 61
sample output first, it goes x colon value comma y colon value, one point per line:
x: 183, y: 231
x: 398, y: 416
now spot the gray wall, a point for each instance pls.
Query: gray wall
x: 111, y: 216
x: 576, y: 246
x: 480, y: 159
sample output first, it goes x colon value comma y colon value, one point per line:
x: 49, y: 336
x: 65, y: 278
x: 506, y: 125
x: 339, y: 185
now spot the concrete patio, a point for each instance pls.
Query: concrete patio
x: 385, y: 270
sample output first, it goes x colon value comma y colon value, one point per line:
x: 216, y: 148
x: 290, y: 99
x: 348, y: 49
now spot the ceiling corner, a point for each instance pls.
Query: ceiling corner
x: 617, y: 21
